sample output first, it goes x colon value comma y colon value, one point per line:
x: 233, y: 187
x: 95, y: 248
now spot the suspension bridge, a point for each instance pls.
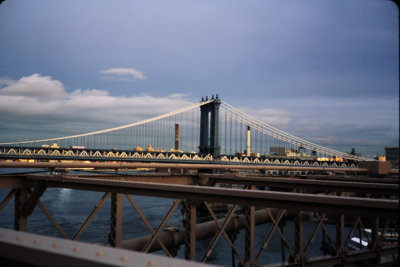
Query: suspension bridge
x: 210, y: 130
x: 254, y: 182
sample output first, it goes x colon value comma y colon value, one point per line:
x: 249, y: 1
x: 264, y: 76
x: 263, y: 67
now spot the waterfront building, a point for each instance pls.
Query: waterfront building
x: 392, y: 155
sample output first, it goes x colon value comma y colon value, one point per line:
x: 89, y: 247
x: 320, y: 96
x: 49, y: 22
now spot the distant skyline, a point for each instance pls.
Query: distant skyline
x: 326, y: 71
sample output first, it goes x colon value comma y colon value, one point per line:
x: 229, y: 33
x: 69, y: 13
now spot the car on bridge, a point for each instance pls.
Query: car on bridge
x: 55, y: 145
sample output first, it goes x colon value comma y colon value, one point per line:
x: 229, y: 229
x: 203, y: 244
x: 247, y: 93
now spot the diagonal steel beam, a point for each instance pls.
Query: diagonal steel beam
x: 314, y: 233
x: 202, y: 231
x: 96, y: 209
x: 274, y: 228
x: 34, y: 197
x: 7, y: 199
x: 52, y: 220
x: 352, y: 230
x: 146, y: 222
x: 161, y: 226
x: 219, y: 233
x: 224, y: 232
x: 326, y: 233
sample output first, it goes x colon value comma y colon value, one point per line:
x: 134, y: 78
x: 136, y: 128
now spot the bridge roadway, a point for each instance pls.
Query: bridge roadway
x: 98, y: 155
x: 216, y: 165
x: 372, y: 202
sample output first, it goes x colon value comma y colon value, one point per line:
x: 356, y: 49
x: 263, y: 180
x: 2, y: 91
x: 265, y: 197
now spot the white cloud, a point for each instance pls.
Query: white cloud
x: 122, y: 74
x: 40, y: 103
x: 34, y: 86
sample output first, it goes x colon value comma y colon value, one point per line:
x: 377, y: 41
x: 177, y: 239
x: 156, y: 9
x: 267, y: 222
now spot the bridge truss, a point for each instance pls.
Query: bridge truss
x: 352, y: 221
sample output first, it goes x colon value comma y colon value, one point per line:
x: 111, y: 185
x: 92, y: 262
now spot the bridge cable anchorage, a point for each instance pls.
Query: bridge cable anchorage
x: 172, y: 113
x: 256, y: 124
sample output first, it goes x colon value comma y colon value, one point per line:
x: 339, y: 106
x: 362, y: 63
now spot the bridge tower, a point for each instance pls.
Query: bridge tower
x: 209, y: 127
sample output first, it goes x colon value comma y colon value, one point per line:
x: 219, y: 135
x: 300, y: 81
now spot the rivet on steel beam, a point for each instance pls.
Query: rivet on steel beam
x: 77, y: 249
x: 56, y: 245
x: 19, y: 238
x: 152, y: 264
x: 37, y: 241
x: 125, y: 258
x: 100, y: 254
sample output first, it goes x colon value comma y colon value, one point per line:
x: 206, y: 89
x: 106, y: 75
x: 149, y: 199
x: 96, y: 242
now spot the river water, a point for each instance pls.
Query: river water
x: 71, y: 207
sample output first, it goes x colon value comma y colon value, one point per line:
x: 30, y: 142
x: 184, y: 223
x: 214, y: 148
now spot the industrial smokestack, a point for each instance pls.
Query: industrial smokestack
x: 248, y: 142
x: 176, y: 136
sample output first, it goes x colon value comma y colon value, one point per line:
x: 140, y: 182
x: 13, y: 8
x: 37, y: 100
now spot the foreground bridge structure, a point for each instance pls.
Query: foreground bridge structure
x: 314, y: 207
x: 342, y: 208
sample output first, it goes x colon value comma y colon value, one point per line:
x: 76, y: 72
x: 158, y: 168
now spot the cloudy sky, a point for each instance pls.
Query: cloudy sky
x: 326, y: 71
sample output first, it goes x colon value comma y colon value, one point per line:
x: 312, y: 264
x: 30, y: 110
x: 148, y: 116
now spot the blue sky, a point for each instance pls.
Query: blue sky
x: 326, y: 71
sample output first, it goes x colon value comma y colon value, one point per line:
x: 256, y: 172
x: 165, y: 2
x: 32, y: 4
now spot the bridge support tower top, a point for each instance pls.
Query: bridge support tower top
x: 209, y: 127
